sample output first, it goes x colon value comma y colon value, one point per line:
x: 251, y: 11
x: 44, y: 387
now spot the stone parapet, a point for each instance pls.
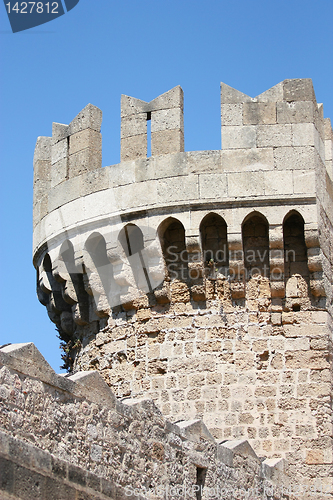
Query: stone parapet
x: 113, y: 443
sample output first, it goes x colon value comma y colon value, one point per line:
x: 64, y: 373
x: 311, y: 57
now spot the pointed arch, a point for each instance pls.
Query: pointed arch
x: 295, y: 250
x: 255, y: 235
x: 172, y: 236
x: 131, y: 239
x: 132, y: 242
x: 96, y: 248
x: 73, y: 290
x: 214, y: 241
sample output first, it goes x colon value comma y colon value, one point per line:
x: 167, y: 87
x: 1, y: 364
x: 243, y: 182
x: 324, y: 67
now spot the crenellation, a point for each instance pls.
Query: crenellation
x: 298, y: 90
x: 328, y: 147
x: 167, y: 125
x: 42, y: 164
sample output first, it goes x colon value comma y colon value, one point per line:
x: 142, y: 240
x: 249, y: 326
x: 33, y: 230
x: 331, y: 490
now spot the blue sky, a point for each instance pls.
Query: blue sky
x: 102, y: 49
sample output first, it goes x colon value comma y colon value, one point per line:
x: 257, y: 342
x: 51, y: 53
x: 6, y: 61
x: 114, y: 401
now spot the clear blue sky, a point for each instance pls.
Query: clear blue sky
x: 104, y: 48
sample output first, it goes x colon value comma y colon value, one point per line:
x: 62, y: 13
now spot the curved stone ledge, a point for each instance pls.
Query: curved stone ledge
x: 142, y: 185
x: 100, y: 212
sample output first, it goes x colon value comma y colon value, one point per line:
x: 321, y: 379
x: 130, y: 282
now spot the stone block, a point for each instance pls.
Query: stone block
x: 42, y: 170
x: 89, y: 118
x: 277, y: 289
x: 315, y: 360
x: 77, y: 475
x: 328, y: 129
x: 294, y: 158
x: 167, y: 141
x: 273, y: 469
x: 71, y: 213
x: 60, y: 490
x: 194, y: 430
x: 228, y: 451
x: 244, y: 184
x: 186, y: 188
x: 122, y: 173
x: 59, y: 151
x: 173, y: 98
x: 295, y: 112
x: 213, y: 186
x: 316, y: 331
x: 161, y: 166
x: 135, y: 195
x: 201, y: 161
x: 304, y: 134
x: 29, y: 484
x: 302, y: 344
x: 274, y: 135
x: 276, y: 319
x: 40, y: 188
x: 42, y: 149
x: 59, y: 172
x: 278, y: 182
x: 27, y: 359
x: 304, y: 182
x: 59, y: 132
x: 319, y: 317
x: 94, y: 181
x: 134, y: 125
x: 300, y: 89
x: 232, y: 114
x: 85, y: 139
x: 132, y: 106
x: 83, y: 162
x: 231, y: 95
x: 259, y: 113
x: 167, y: 119
x: 320, y: 344
x: 328, y: 150
x: 93, y: 481
x: 314, y: 457
x: 236, y: 160
x: 132, y: 148
x: 234, y: 137
x: 91, y: 385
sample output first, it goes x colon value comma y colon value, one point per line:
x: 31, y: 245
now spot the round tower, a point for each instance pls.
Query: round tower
x: 200, y: 279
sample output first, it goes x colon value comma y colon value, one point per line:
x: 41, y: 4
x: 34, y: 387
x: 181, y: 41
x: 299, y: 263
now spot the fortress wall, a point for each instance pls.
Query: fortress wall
x: 256, y: 373
x: 71, y: 438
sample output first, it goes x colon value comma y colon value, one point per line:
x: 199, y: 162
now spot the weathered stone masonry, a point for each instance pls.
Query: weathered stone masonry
x: 70, y: 438
x: 201, y: 280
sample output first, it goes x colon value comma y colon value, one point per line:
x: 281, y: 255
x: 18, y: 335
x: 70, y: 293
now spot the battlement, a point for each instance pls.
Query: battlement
x: 120, y: 439
x: 279, y: 136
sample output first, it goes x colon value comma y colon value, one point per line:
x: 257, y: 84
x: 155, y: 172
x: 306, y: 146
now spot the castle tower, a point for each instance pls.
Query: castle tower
x: 200, y: 279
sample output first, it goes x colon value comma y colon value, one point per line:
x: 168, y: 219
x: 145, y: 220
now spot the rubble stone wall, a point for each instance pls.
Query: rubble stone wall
x: 72, y: 438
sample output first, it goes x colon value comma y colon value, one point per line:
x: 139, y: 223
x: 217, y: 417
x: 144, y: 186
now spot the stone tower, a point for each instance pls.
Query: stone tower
x: 200, y: 279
